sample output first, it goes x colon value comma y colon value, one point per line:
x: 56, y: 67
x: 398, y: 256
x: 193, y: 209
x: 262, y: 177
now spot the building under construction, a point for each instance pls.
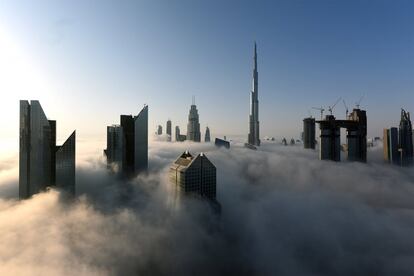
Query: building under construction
x: 356, y: 127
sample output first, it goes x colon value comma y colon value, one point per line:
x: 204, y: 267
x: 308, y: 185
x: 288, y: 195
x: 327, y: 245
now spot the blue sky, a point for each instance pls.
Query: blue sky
x: 100, y: 59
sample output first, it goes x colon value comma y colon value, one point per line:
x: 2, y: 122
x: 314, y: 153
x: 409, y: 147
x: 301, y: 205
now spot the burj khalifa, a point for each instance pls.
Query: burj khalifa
x: 254, y: 106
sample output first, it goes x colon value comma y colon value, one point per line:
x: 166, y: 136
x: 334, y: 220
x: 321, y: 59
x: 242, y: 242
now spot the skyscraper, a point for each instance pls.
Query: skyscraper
x: 194, y: 175
x: 41, y: 162
x: 127, y: 144
x: 114, y: 145
x: 168, y: 129
x: 178, y: 136
x: 207, y: 135
x: 405, y: 136
x: 65, y: 165
x: 308, y: 134
x: 254, y: 134
x: 193, y: 126
x: 159, y: 130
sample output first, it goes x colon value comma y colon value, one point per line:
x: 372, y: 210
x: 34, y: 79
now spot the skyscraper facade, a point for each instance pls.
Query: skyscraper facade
x: 114, y: 145
x: 405, y: 136
x: 254, y: 133
x: 193, y: 126
x: 168, y: 130
x: 41, y: 163
x: 65, y: 165
x: 308, y: 133
x: 127, y: 144
x: 194, y: 175
x: 207, y: 135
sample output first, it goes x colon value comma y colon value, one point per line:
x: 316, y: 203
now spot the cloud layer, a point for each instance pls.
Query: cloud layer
x: 283, y: 212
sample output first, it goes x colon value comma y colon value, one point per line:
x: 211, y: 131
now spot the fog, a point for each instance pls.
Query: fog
x: 284, y: 212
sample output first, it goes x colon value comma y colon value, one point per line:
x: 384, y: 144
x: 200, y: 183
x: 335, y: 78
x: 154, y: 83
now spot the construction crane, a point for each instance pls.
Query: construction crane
x: 321, y: 109
x: 310, y: 114
x: 358, y: 103
x: 330, y: 109
x: 346, y: 108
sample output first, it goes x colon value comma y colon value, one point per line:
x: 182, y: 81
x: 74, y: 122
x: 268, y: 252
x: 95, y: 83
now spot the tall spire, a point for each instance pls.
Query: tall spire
x: 254, y: 134
x: 255, y: 56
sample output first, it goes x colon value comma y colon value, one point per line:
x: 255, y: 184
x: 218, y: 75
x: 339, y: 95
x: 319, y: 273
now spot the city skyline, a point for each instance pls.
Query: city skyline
x: 314, y: 175
x: 291, y: 80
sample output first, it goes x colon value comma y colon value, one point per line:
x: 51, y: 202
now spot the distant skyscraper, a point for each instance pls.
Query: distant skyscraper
x: 207, y: 136
x: 168, y: 129
x: 41, y: 163
x: 193, y: 126
x: 159, y: 130
x: 222, y: 143
x: 127, y: 144
x: 308, y: 134
x: 194, y: 175
x: 178, y: 136
x: 390, y: 145
x: 405, y: 139
x: 254, y: 134
x: 114, y: 145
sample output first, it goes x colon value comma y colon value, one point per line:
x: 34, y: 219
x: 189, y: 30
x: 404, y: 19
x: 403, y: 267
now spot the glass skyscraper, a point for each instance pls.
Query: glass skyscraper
x: 39, y: 158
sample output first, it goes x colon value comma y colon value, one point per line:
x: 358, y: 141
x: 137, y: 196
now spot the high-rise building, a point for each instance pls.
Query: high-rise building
x: 168, y: 129
x: 193, y: 126
x: 356, y: 128
x: 254, y: 133
x: 41, y: 162
x: 308, y: 134
x: 222, y: 143
x: 330, y: 148
x: 390, y: 144
x: 65, y: 165
x: 194, y: 175
x: 207, y: 135
x: 159, y: 130
x: 178, y: 136
x: 114, y: 145
x: 405, y: 136
x: 127, y: 144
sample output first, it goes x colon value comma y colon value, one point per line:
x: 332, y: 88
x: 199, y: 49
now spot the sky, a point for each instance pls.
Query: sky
x: 90, y: 61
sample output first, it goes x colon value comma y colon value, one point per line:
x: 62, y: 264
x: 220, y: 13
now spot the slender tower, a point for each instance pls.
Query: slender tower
x: 254, y: 106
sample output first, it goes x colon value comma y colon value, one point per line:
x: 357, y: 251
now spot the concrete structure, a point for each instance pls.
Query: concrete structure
x: 207, y: 135
x: 308, y: 134
x: 356, y: 126
x: 168, y: 130
x: 254, y: 132
x: 41, y: 162
x: 193, y: 126
x: 159, y: 130
x: 127, y: 144
x: 222, y: 143
x: 194, y: 175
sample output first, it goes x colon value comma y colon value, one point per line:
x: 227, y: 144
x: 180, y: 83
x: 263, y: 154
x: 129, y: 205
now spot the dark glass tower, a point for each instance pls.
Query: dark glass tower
x: 254, y: 133
x: 40, y: 160
x: 127, y: 144
x: 405, y: 139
